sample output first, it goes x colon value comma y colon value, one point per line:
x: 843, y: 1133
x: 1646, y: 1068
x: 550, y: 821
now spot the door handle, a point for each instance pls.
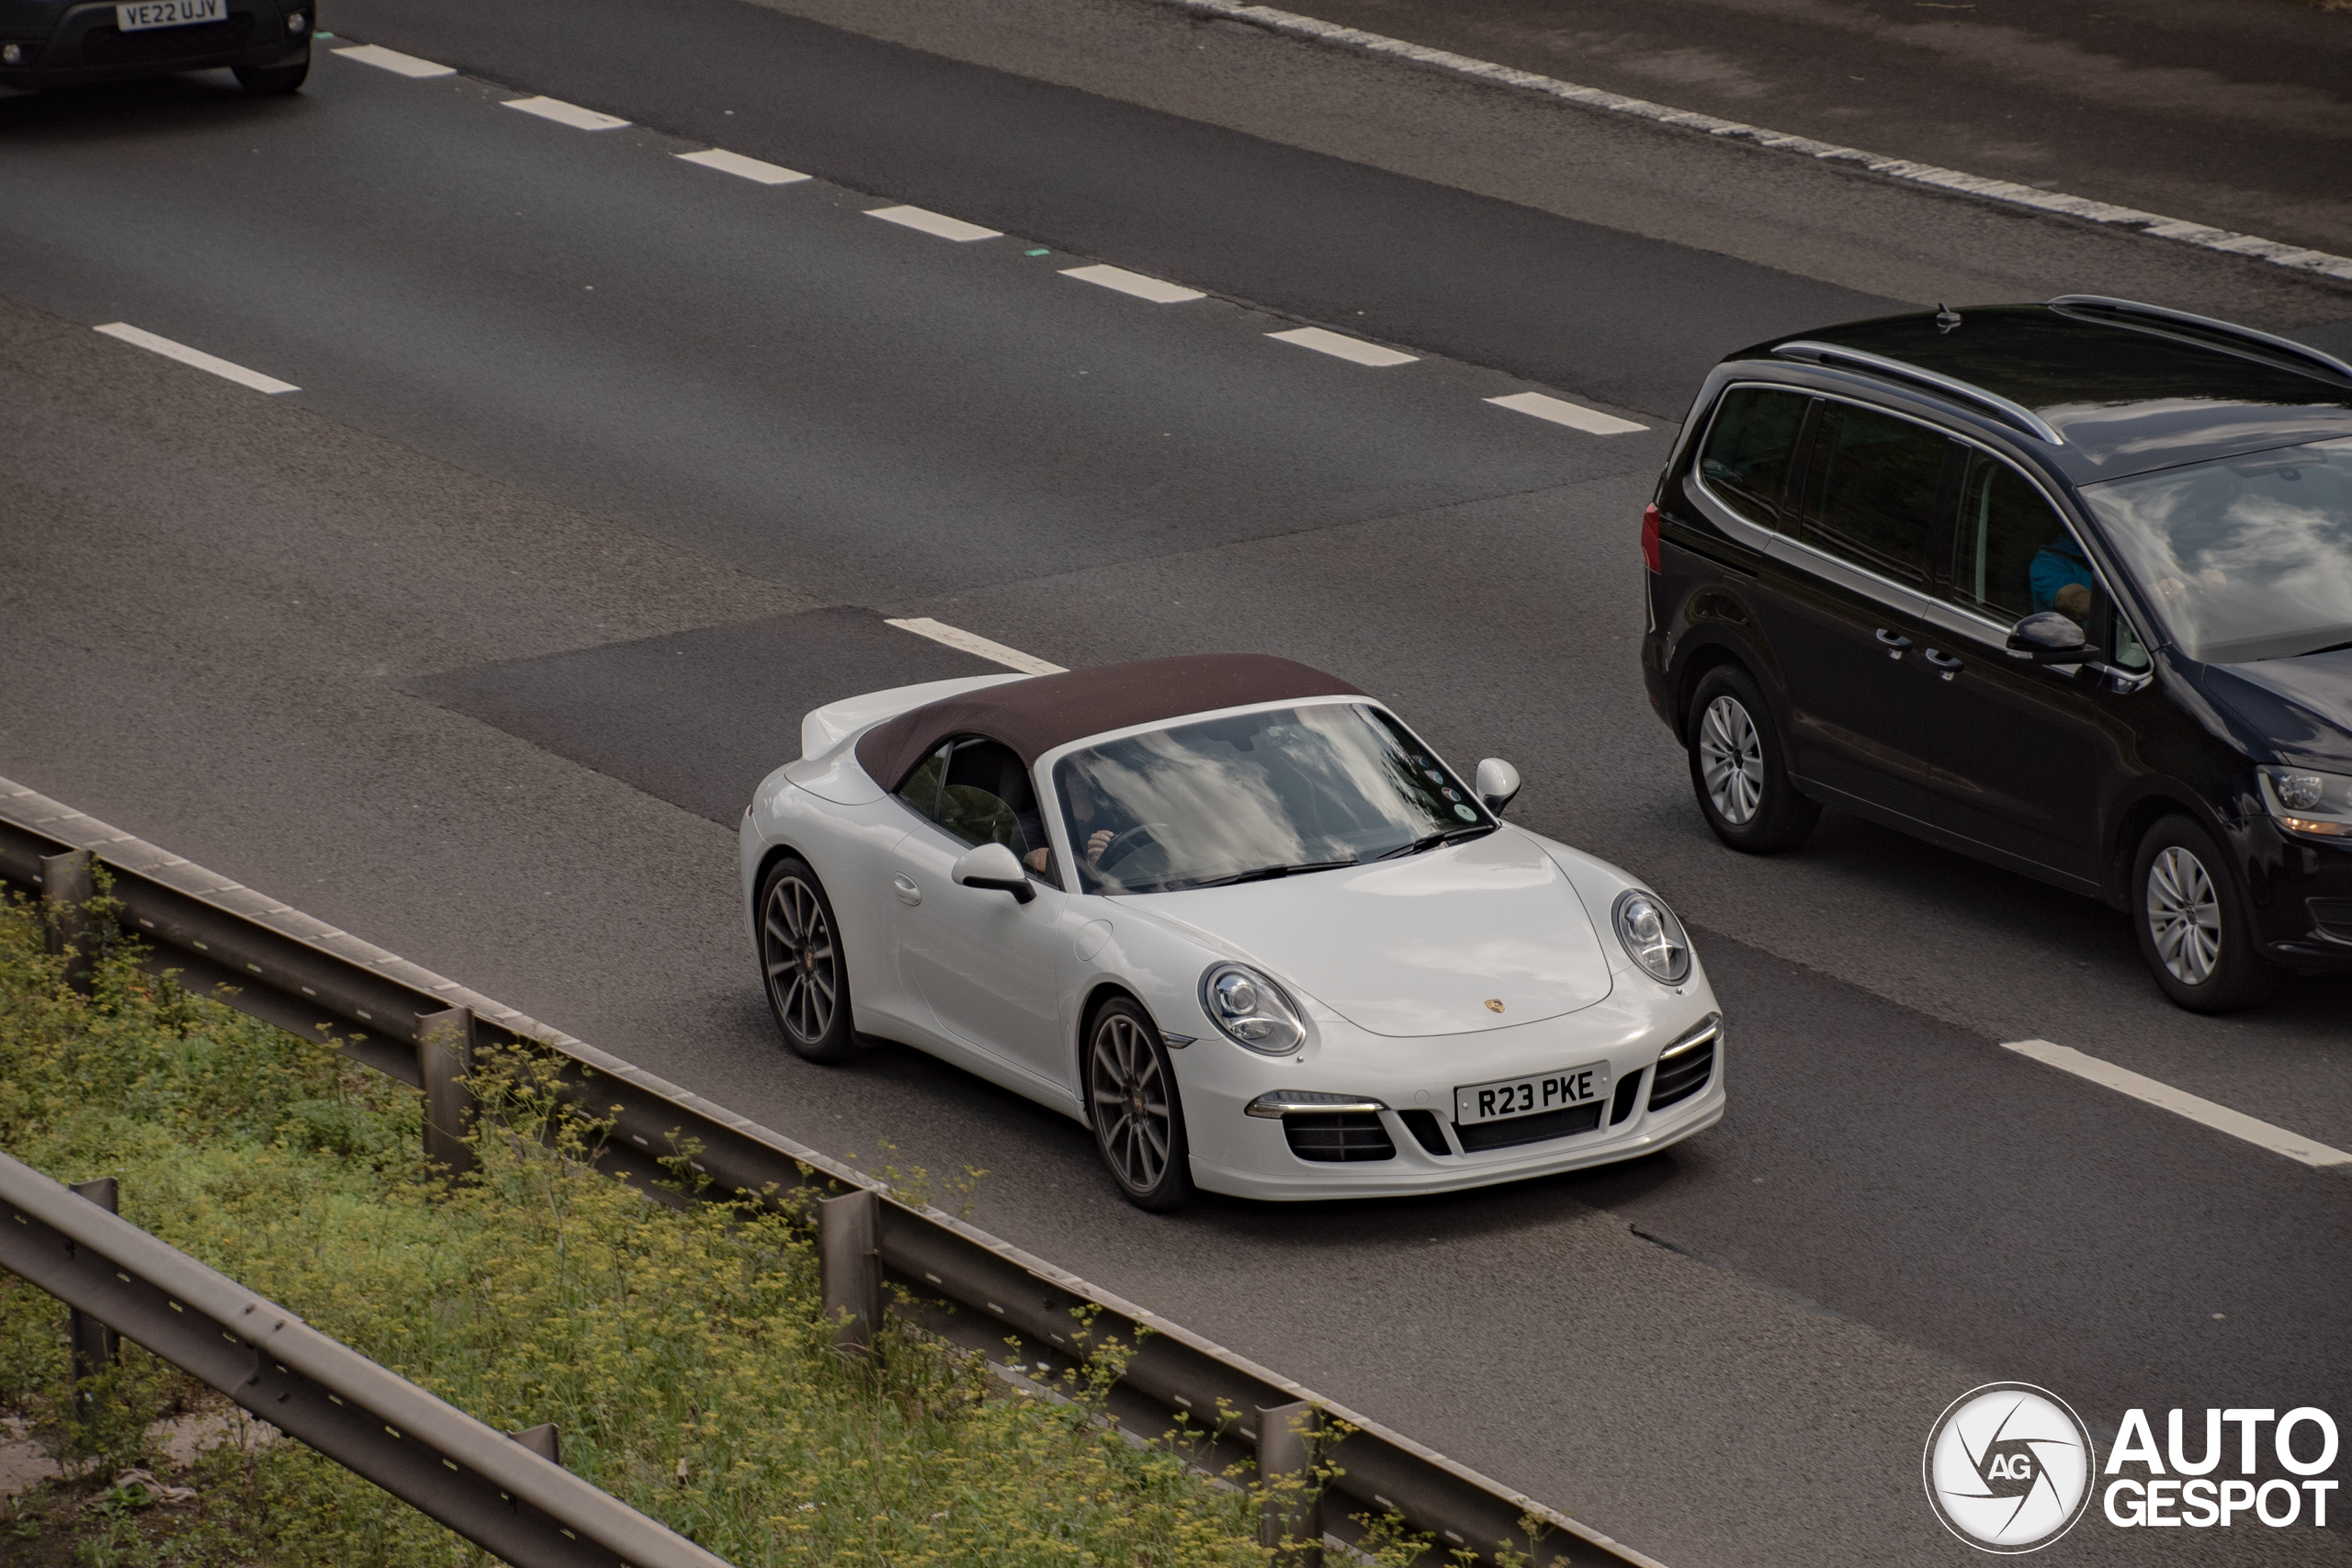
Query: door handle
x: 1946, y: 663
x: 1894, y: 642
x: 909, y: 894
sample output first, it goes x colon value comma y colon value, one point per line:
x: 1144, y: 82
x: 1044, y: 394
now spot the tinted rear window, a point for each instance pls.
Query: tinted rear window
x: 1870, y: 489
x: 1746, y: 461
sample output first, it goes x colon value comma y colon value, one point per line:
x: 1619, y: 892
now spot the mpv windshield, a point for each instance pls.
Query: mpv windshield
x: 1257, y: 795
x: 2244, y: 558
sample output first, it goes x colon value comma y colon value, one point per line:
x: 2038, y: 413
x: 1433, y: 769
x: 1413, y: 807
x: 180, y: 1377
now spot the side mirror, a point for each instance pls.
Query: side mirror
x: 1498, y: 783
x: 993, y: 866
x: 2051, y: 639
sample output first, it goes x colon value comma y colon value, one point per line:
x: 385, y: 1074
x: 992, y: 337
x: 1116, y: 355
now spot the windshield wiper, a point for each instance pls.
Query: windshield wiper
x: 1475, y: 830
x: 1267, y: 872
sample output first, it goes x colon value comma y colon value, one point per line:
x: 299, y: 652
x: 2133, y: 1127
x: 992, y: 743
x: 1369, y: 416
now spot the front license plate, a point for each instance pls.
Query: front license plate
x: 148, y: 13
x: 1529, y: 1097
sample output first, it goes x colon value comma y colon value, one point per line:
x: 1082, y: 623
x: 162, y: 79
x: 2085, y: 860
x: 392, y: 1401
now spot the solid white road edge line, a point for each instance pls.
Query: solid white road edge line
x: 937, y: 223
x: 563, y: 113
x: 1576, y: 416
x: 128, y: 333
x: 2178, y: 230
x: 2221, y: 1118
x: 1354, y: 349
x: 968, y: 642
x: 1132, y: 283
x: 749, y: 168
x: 396, y: 63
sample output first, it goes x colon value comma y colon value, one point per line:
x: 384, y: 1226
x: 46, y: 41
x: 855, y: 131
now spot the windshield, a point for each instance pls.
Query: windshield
x: 2246, y: 558
x: 1259, y: 794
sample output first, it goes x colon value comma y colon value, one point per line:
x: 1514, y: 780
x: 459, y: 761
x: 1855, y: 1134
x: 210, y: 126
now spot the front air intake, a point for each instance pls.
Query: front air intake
x: 1332, y: 1136
x: 1680, y: 1076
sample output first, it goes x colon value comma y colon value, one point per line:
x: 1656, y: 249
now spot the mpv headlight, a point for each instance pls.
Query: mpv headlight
x: 1250, y: 1010
x: 2308, y: 801
x: 1653, y: 937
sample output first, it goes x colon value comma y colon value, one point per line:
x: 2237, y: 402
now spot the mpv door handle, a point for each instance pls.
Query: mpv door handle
x: 1894, y: 642
x: 1944, y: 661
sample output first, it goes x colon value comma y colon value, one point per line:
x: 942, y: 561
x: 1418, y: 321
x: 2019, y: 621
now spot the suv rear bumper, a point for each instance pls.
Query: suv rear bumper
x: 86, y: 47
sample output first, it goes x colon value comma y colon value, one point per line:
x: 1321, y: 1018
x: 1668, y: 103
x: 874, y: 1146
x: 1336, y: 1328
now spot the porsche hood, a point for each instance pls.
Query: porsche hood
x: 1482, y: 935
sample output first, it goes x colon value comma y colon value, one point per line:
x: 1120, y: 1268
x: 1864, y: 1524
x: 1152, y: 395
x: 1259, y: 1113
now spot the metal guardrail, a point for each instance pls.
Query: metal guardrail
x: 477, y: 1481
x: 961, y: 1283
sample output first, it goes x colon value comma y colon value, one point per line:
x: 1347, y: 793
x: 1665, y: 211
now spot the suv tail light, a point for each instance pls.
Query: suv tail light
x: 1649, y: 538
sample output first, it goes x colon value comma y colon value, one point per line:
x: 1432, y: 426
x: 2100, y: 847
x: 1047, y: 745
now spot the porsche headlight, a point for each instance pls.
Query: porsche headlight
x: 2308, y: 801
x: 1653, y: 937
x: 1251, y: 1010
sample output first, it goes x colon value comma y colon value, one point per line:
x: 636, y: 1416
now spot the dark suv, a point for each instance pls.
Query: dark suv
x: 2068, y: 587
x: 65, y: 43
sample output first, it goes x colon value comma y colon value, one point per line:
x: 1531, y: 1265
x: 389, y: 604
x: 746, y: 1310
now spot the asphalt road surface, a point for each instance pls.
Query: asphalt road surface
x: 605, y: 467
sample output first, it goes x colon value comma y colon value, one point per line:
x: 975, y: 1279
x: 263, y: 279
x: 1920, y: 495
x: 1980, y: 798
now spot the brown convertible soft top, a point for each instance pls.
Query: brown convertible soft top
x: 1033, y: 717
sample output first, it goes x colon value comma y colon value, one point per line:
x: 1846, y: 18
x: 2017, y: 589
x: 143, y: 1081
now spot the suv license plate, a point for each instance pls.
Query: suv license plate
x: 148, y: 13
x: 1530, y: 1096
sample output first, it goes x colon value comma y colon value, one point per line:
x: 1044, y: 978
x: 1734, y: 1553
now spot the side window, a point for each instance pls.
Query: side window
x: 1746, y: 460
x: 979, y: 791
x: 2012, y: 553
x: 1870, y: 489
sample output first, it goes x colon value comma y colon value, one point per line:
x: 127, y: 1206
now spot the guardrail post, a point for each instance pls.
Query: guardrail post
x: 849, y: 1265
x: 445, y: 1055
x: 1288, y: 1436
x: 66, y: 890
x: 95, y: 1347
x: 545, y: 1440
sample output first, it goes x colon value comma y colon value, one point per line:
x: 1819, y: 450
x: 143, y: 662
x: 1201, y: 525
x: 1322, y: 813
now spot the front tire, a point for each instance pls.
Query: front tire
x: 800, y: 964
x: 1739, y: 767
x: 1131, y: 1100
x: 264, y: 81
x: 2193, y: 923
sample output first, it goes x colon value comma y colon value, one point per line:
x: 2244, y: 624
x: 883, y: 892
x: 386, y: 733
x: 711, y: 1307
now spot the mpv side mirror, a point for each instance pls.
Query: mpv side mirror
x: 1498, y: 783
x: 2051, y: 639
x: 993, y: 866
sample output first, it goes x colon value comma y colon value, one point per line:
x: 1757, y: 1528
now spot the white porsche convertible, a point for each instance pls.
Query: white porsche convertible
x: 1232, y: 914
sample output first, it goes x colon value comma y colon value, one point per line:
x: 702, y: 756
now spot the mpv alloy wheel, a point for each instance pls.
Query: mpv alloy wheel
x: 800, y: 963
x: 1138, y: 1120
x: 1739, y: 769
x: 1731, y: 761
x: 2192, y: 923
x: 2184, y: 915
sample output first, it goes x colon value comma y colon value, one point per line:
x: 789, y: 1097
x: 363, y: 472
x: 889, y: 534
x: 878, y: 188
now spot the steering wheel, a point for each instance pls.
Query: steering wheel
x: 1126, y: 843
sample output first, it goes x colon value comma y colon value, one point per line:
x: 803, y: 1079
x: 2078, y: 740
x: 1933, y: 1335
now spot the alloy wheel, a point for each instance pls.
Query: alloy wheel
x: 802, y: 964
x: 1731, y: 761
x: 2184, y: 915
x: 1132, y: 1116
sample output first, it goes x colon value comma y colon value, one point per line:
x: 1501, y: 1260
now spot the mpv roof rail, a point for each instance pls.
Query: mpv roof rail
x: 2017, y: 414
x: 2160, y: 313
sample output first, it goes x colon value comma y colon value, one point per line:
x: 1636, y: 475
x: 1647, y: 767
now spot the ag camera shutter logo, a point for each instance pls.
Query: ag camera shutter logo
x: 2008, y: 1468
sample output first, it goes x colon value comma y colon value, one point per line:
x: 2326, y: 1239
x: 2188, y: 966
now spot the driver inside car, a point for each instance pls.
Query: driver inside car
x: 2061, y: 579
x: 1083, y: 803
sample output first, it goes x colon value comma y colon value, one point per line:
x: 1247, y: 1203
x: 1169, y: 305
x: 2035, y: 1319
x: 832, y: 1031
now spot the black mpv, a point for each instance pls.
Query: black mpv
x: 2068, y: 587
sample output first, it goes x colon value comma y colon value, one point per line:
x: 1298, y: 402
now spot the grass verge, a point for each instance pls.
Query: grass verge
x: 681, y: 1350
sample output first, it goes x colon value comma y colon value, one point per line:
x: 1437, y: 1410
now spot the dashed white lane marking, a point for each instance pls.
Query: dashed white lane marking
x: 749, y: 168
x: 393, y: 60
x: 128, y: 333
x: 958, y: 637
x: 937, y: 223
x: 2009, y: 191
x: 563, y: 113
x: 1132, y: 283
x: 1576, y: 416
x: 1348, y: 348
x: 2221, y: 1118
